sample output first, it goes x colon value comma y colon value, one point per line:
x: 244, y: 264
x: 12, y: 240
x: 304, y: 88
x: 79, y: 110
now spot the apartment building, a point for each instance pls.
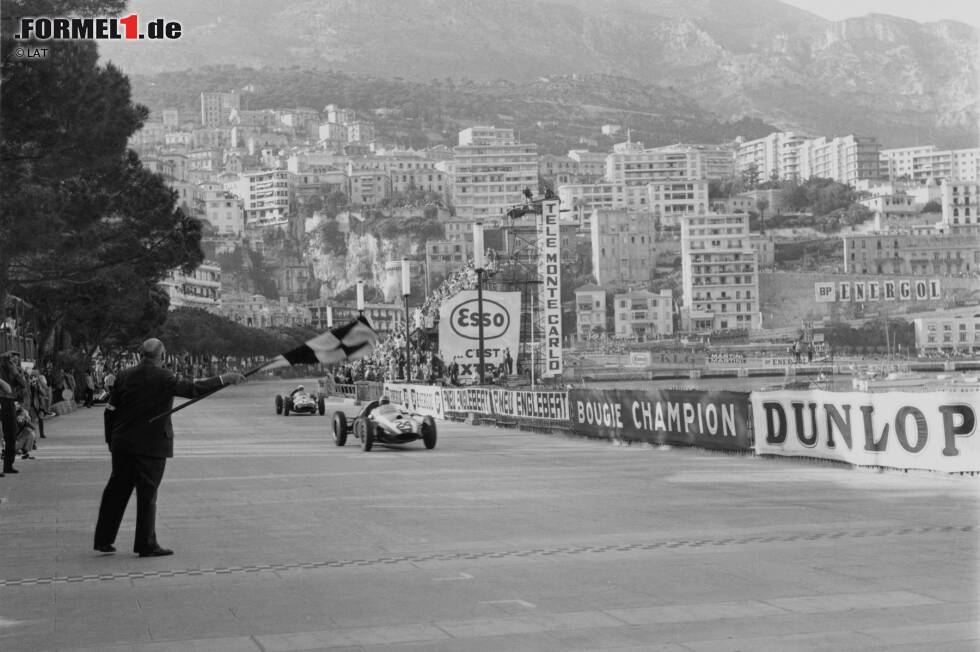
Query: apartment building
x: 198, y: 289
x: 940, y: 252
x: 720, y: 273
x: 590, y: 311
x: 490, y: 171
x: 844, y: 159
x: 266, y: 195
x: 623, y: 247
x: 668, y: 200
x: 961, y: 203
x: 643, y: 315
x: 774, y: 156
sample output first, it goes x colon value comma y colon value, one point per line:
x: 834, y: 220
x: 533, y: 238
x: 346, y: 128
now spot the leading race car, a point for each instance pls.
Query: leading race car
x: 300, y: 401
x: 383, y: 423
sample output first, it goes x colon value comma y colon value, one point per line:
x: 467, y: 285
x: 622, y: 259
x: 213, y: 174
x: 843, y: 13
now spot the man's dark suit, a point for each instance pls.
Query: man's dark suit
x: 140, y: 448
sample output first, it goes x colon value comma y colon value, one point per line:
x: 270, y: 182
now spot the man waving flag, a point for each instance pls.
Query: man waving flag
x: 348, y: 342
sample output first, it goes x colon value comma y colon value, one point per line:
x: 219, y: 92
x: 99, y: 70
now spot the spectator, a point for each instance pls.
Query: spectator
x: 13, y: 388
x: 89, y: 388
x: 26, y: 438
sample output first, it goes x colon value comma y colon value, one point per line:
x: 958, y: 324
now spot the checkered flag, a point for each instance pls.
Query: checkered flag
x: 339, y: 344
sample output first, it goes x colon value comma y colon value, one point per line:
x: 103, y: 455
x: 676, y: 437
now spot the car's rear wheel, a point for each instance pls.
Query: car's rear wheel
x: 287, y: 405
x: 429, y: 432
x: 339, y: 428
x: 321, y: 406
x: 278, y: 404
x: 367, y: 443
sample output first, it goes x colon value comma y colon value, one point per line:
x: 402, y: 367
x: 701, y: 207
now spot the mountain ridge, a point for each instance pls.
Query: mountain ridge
x: 904, y: 81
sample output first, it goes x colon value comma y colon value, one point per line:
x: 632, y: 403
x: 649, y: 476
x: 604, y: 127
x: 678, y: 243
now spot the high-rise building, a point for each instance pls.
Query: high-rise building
x: 720, y: 273
x: 845, y: 159
x: 266, y: 197
x: 490, y: 171
x: 668, y: 200
x: 961, y: 203
x: 776, y: 155
x: 217, y: 106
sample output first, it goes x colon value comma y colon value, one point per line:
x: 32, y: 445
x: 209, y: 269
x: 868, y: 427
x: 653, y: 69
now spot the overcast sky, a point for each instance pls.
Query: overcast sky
x: 923, y: 11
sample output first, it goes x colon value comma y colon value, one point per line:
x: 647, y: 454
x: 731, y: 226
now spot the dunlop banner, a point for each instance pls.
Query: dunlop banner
x: 521, y: 404
x: 902, y: 430
x: 707, y: 419
x: 423, y: 399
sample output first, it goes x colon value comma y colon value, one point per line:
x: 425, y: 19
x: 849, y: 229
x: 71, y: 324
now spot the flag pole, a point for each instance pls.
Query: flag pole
x: 203, y: 396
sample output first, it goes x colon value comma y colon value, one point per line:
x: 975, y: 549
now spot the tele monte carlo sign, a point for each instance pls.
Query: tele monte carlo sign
x: 549, y: 269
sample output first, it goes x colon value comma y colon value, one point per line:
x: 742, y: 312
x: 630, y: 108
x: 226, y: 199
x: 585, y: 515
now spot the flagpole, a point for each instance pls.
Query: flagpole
x: 202, y: 396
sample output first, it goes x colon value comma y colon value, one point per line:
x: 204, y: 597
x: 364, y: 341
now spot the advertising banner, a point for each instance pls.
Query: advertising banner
x: 549, y: 269
x: 902, y: 430
x: 459, y: 330
x: 423, y: 399
x: 707, y: 419
x: 521, y: 404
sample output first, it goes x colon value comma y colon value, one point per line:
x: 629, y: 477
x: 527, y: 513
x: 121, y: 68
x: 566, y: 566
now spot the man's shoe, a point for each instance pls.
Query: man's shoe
x: 107, y: 548
x: 10, y: 469
x: 156, y: 552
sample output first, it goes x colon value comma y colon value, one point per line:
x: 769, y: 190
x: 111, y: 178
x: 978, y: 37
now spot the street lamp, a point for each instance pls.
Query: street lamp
x: 406, y: 290
x: 479, y: 264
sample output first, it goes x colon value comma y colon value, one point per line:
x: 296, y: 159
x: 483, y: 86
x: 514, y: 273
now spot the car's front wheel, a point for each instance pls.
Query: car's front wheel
x: 287, y: 405
x: 429, y: 432
x: 278, y: 404
x: 321, y: 406
x: 339, y: 428
x: 367, y: 442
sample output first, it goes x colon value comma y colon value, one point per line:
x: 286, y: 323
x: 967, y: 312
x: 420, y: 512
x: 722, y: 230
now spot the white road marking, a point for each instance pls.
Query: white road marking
x: 523, y: 603
x: 461, y: 576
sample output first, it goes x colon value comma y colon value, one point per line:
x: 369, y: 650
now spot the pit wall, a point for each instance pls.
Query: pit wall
x: 934, y: 431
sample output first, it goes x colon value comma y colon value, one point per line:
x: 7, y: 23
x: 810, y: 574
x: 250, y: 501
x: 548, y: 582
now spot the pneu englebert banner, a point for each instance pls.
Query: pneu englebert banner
x: 902, y: 430
x: 522, y: 404
x: 708, y: 419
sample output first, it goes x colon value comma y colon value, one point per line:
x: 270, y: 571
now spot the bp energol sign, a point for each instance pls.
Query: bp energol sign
x: 459, y: 331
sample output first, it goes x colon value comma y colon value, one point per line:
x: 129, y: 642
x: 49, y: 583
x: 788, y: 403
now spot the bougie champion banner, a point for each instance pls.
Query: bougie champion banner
x: 459, y: 330
x: 902, y: 430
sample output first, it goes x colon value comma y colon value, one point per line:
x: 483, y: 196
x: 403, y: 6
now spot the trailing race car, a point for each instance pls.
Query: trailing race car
x: 300, y: 402
x: 383, y: 423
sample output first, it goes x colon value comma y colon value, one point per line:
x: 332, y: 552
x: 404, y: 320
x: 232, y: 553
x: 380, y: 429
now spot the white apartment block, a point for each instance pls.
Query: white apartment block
x: 624, y: 249
x: 266, y: 195
x: 719, y: 272
x: 955, y: 330
x: 893, y: 213
x: 490, y: 172
x: 957, y: 164
x: 961, y: 203
x: 199, y: 289
x: 590, y: 310
x: 844, y: 159
x: 592, y: 164
x: 668, y: 200
x: 899, y: 162
x: 643, y: 315
x: 776, y: 155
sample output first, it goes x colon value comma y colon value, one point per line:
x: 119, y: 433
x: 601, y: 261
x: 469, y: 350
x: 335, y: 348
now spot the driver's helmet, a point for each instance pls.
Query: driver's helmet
x: 384, y: 400
x: 299, y: 388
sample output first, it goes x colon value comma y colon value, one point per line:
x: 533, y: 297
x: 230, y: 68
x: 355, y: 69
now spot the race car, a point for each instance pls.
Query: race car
x: 380, y: 422
x: 300, y: 402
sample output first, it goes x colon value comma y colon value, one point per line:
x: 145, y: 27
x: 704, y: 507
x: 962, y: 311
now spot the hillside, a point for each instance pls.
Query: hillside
x: 904, y: 81
x: 554, y: 112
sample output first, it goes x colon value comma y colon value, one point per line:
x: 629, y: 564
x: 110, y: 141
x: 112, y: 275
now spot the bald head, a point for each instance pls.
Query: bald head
x: 153, y: 350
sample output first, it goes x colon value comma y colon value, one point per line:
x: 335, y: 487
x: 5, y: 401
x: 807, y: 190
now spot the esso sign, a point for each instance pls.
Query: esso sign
x: 466, y: 317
